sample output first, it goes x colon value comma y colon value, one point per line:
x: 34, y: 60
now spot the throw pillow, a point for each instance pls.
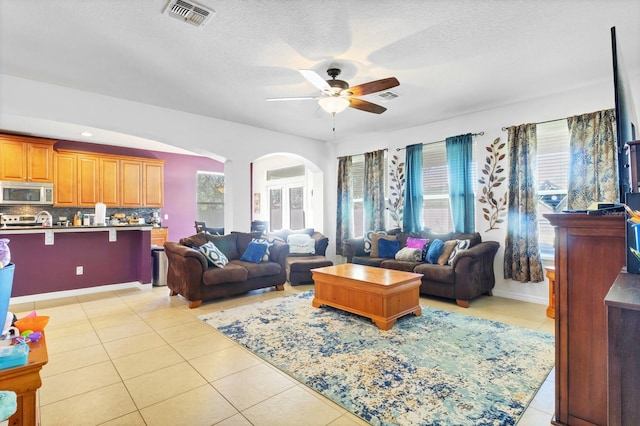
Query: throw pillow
x: 254, y: 252
x: 269, y: 242
x: 388, y: 248
x: 301, y: 244
x: 416, y: 242
x: 446, y: 252
x: 375, y: 238
x: 409, y: 254
x: 460, y: 245
x: 425, y: 249
x: 435, y: 249
x: 213, y: 255
x: 368, y: 242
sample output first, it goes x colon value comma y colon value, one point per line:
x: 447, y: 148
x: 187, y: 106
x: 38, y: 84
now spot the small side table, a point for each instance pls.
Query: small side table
x: 551, y: 275
x: 25, y: 381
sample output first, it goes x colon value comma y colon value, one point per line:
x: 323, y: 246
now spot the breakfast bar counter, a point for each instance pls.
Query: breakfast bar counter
x: 60, y: 258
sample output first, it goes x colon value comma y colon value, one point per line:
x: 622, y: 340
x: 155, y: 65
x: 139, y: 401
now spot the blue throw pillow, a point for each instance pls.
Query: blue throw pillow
x: 388, y: 248
x: 254, y: 252
x: 435, y: 250
x: 213, y: 255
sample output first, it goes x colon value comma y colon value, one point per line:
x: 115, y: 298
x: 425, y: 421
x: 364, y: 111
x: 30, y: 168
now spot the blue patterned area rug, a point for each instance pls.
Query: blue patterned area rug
x: 437, y: 369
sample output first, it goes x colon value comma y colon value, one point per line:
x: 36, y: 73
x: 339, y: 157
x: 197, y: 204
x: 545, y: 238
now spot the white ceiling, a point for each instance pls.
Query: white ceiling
x: 451, y: 57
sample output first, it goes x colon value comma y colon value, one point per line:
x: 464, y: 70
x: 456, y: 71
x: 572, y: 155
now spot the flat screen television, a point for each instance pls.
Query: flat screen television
x: 626, y: 121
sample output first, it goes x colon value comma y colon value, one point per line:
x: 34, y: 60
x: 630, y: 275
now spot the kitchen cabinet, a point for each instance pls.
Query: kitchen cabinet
x: 88, y: 167
x: 26, y: 159
x: 159, y: 236
x: 110, y: 181
x: 65, y: 189
x: 153, y: 183
x: 131, y: 183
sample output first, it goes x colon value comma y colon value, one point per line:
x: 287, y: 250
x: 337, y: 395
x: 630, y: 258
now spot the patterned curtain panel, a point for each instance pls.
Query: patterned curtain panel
x: 459, y: 168
x: 522, y: 253
x: 593, y: 162
x: 374, y: 190
x: 412, y: 218
x: 344, y: 223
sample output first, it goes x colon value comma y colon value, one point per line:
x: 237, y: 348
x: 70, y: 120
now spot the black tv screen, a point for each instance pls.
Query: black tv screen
x: 626, y: 119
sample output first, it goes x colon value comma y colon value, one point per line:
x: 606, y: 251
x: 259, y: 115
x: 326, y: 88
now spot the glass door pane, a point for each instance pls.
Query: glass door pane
x: 296, y: 207
x: 275, y: 209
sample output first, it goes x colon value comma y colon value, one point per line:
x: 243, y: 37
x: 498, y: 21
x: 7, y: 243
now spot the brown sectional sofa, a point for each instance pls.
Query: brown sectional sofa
x: 190, y: 275
x: 469, y: 276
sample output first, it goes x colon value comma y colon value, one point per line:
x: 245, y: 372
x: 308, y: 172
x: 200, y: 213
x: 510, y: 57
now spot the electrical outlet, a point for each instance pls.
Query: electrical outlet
x: 79, y: 270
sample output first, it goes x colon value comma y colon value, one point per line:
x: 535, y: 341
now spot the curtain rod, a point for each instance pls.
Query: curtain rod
x: 429, y: 143
x: 383, y: 149
x: 504, y: 129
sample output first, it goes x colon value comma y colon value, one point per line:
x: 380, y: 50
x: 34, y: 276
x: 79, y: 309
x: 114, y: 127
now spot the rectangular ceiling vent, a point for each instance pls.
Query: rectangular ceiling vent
x: 387, y: 96
x: 189, y: 12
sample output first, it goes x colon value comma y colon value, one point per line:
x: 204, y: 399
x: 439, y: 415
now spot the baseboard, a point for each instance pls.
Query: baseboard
x: 521, y: 297
x: 78, y: 292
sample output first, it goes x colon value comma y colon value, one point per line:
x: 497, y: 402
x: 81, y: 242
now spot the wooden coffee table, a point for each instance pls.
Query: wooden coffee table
x: 383, y: 295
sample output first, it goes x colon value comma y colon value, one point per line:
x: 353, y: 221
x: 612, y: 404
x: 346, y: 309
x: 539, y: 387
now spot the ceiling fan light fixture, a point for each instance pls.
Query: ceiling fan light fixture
x: 334, y: 104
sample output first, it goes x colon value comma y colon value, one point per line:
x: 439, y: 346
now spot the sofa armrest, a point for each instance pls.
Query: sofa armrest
x: 321, y: 243
x: 185, y: 270
x: 180, y: 252
x: 474, y: 269
x: 279, y: 252
x: 353, y: 247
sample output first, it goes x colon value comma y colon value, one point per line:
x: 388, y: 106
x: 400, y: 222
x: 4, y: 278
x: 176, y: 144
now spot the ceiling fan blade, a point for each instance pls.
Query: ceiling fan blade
x: 297, y: 98
x: 366, y: 106
x: 374, y: 86
x: 315, y: 79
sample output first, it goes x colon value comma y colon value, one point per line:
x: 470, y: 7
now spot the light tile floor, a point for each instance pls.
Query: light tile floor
x: 140, y: 357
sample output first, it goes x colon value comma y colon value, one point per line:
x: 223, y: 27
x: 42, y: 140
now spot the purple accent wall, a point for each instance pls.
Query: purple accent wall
x: 44, y: 269
x: 179, y: 182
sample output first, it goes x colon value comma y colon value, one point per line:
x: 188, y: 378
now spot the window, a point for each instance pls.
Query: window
x: 286, y: 188
x: 436, y: 209
x: 553, y: 166
x: 357, y: 189
x: 210, y: 198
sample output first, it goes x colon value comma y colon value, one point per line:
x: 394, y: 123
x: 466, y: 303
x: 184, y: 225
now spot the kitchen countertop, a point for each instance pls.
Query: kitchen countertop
x: 56, y: 228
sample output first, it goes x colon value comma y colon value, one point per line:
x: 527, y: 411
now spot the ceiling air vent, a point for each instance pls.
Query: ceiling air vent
x: 387, y: 96
x: 189, y: 12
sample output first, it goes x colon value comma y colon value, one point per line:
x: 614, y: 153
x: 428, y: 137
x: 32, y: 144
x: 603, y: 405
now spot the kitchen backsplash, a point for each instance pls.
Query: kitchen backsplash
x: 69, y: 213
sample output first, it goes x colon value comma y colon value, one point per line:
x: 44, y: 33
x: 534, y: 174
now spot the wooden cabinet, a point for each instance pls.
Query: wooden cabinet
x: 65, y: 189
x: 116, y: 181
x: 623, y: 324
x: 110, y: 181
x: 88, y: 167
x: 131, y: 183
x: 589, y: 254
x: 159, y: 236
x: 26, y: 159
x: 153, y: 184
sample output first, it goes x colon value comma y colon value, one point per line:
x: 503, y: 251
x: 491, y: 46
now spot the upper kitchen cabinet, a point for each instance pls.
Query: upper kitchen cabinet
x: 130, y: 183
x: 65, y: 189
x: 110, y: 181
x: 26, y: 159
x: 153, y: 183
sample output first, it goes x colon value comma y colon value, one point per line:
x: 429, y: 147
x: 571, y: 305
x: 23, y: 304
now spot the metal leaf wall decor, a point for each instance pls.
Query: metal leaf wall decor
x: 491, y: 179
x: 396, y: 186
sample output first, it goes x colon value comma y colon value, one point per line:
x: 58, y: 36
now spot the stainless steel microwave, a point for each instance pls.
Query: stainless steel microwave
x: 26, y: 193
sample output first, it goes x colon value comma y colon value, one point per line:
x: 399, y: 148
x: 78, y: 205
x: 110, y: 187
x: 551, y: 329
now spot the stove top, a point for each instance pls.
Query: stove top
x: 22, y: 220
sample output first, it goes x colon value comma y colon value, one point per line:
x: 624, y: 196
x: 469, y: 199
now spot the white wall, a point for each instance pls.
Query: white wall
x: 586, y: 99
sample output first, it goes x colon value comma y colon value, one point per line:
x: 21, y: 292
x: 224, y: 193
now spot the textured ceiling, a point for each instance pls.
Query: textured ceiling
x: 451, y: 57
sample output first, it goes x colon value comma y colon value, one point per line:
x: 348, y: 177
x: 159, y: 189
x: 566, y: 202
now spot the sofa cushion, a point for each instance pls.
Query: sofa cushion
x: 228, y: 244
x: 438, y: 273
x: 388, y: 248
x: 399, y: 265
x: 443, y: 259
x: 254, y: 252
x: 213, y: 255
x: 435, y: 249
x: 257, y: 270
x: 231, y: 273
x: 374, y: 243
x: 367, y: 260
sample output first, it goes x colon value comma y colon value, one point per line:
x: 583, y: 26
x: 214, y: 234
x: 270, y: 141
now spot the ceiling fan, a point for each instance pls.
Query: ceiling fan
x: 337, y: 95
